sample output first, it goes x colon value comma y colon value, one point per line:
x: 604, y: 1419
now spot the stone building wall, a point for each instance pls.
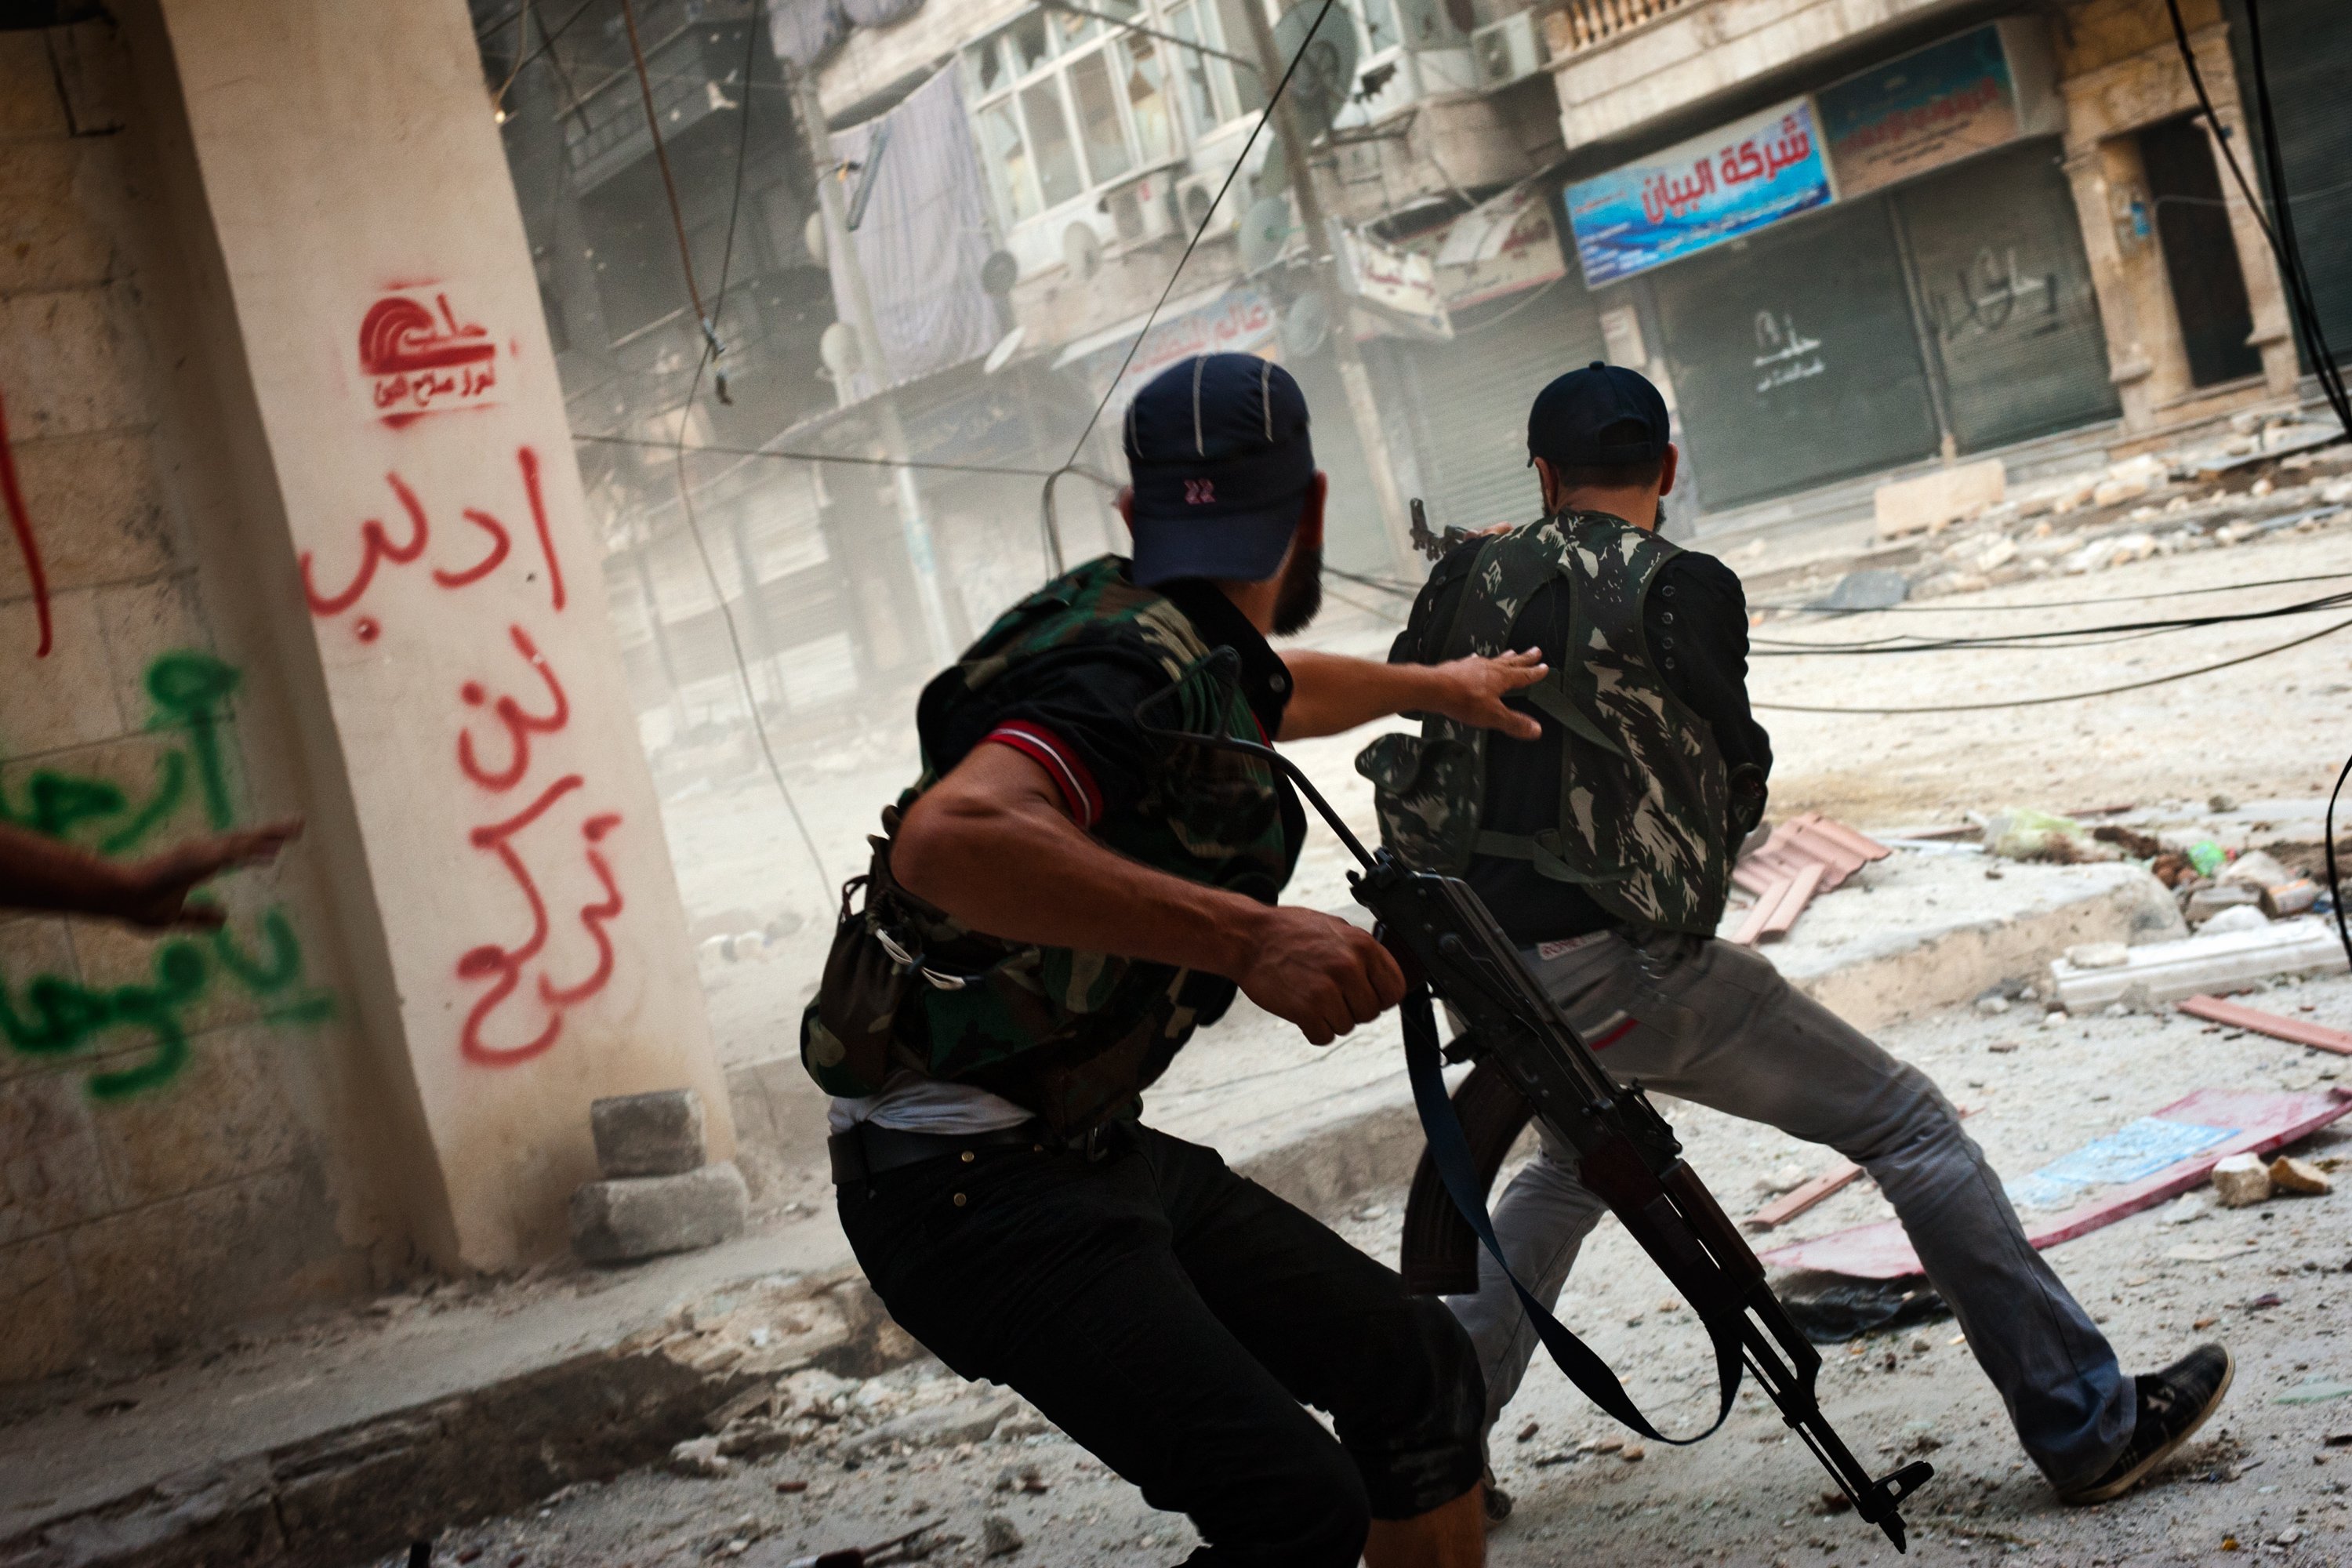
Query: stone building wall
x: 167, y: 1103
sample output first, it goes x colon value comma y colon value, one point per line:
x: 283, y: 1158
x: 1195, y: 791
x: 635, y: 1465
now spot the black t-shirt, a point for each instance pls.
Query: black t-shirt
x: 1696, y: 622
x: 1072, y: 711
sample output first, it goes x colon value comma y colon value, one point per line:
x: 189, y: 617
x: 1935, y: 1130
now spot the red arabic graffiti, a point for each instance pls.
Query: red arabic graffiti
x: 21, y: 521
x: 520, y: 726
x: 420, y: 365
x: 377, y: 548
x: 502, y: 965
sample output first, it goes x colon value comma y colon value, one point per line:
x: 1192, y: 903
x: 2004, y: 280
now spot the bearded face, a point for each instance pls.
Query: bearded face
x: 1301, y: 594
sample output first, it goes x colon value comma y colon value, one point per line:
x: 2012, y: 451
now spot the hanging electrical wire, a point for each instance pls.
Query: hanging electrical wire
x: 1070, y: 464
x: 2067, y: 696
x: 714, y: 450
x: 546, y: 42
x: 1911, y: 642
x: 1957, y: 609
x: 710, y: 350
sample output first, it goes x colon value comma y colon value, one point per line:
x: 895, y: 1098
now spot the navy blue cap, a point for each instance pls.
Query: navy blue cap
x: 1600, y: 416
x: 1218, y: 452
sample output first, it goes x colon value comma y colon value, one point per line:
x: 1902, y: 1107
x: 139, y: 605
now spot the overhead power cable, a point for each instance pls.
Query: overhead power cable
x: 823, y: 456
x: 1972, y: 609
x: 2062, y: 696
x: 678, y: 452
x: 1069, y: 464
x: 1908, y: 642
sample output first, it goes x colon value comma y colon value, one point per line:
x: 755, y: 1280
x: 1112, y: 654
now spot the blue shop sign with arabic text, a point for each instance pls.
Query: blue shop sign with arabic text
x: 1700, y: 192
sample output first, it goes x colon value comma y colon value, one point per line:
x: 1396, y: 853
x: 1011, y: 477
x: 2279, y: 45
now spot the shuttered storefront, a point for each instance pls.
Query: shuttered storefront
x: 1794, y: 356
x: 1469, y: 397
x: 2004, y: 291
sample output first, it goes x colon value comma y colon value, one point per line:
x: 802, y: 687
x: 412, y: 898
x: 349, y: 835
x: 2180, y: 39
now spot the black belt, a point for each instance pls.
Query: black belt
x: 866, y: 1151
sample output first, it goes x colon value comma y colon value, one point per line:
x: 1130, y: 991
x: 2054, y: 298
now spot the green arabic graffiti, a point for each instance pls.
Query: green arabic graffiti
x: 55, y: 1015
x: 188, y: 689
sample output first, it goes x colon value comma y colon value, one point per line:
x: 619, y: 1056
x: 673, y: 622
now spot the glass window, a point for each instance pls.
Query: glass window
x: 1072, y: 29
x: 1233, y: 27
x: 1381, y: 23
x: 1144, y: 65
x: 1027, y: 42
x: 984, y: 67
x: 1199, y: 97
x: 1057, y: 155
x: 1006, y: 157
x: 1107, y: 153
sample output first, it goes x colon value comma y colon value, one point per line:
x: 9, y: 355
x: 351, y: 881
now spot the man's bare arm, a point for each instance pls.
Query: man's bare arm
x: 39, y: 873
x: 1331, y: 693
x: 992, y: 845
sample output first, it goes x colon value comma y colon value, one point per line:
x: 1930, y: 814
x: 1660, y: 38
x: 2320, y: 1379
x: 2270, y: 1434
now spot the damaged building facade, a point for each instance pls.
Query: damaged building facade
x: 1850, y: 241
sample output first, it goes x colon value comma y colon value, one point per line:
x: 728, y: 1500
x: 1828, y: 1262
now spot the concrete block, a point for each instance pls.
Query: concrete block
x: 970, y: 1420
x: 2215, y: 965
x: 2207, y: 902
x: 2241, y: 1181
x: 2289, y: 1174
x: 1940, y: 498
x: 655, y: 1134
x: 645, y: 1216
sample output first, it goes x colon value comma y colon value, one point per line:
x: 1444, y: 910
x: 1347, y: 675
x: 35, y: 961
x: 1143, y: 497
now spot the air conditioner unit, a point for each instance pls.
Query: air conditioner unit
x: 1143, y: 210
x: 1506, y: 51
x: 1193, y: 195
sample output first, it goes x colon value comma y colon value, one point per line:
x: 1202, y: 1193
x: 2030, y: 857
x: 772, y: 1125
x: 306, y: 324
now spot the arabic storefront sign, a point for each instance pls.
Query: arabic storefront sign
x: 1400, y: 284
x: 1242, y: 320
x: 1498, y: 247
x: 1927, y: 109
x: 1698, y: 193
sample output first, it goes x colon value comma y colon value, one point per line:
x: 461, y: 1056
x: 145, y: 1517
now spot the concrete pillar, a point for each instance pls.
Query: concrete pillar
x: 2127, y: 275
x: 417, y: 537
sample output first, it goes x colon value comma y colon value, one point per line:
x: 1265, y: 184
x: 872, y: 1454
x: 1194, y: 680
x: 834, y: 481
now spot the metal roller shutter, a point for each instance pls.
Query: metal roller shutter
x: 1471, y: 397
x: 1794, y: 356
x: 1997, y: 255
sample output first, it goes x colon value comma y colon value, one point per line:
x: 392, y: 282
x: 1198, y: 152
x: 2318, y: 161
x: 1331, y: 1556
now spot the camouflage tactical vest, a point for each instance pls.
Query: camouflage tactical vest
x: 1643, y: 790
x: 1074, y: 1036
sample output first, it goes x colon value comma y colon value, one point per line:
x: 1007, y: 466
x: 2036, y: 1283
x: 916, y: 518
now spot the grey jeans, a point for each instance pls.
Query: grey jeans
x: 1716, y: 1024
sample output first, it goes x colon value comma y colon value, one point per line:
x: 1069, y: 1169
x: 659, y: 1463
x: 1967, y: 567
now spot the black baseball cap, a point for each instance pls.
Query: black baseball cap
x: 1217, y: 450
x: 1600, y: 416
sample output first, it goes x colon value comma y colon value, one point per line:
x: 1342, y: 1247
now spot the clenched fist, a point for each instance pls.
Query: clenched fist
x: 1320, y: 973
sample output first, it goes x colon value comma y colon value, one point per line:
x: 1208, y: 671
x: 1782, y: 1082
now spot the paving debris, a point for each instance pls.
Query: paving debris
x: 2319, y: 1036
x: 998, y: 1538
x: 2241, y: 1181
x: 656, y: 1135
x: 1803, y: 856
x: 2170, y: 970
x: 2288, y: 1175
x: 633, y: 1217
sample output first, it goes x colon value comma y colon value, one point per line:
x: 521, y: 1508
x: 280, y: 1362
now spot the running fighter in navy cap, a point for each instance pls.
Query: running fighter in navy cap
x: 1604, y: 845
x: 1063, y: 898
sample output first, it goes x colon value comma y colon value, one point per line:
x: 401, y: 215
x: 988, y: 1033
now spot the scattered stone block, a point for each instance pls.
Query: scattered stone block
x: 941, y: 1427
x: 1938, y: 499
x: 2207, y: 902
x: 656, y: 1135
x: 699, y: 1456
x: 2257, y: 868
x: 2228, y: 961
x: 2289, y: 1174
x: 645, y: 1216
x: 2241, y: 1181
x: 2290, y: 898
x: 2242, y: 917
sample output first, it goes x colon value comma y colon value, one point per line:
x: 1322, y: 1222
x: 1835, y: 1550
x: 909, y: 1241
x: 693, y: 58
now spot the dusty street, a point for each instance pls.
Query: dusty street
x: 2270, y: 1468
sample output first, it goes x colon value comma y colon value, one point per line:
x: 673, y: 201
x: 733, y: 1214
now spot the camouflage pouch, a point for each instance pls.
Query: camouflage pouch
x: 1427, y: 790
x: 846, y: 1030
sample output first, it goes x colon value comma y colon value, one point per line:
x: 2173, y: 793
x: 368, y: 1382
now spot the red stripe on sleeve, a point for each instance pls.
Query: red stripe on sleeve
x: 1053, y: 754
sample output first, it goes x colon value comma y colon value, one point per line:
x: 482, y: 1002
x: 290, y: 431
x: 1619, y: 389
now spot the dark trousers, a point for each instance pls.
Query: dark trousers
x: 1172, y: 1317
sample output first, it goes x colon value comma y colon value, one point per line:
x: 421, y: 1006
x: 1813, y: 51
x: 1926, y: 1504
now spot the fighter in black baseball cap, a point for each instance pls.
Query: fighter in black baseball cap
x: 1080, y: 895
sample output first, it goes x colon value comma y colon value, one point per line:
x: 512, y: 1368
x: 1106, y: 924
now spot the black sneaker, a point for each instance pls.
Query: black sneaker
x: 2173, y: 1404
x: 1498, y: 1501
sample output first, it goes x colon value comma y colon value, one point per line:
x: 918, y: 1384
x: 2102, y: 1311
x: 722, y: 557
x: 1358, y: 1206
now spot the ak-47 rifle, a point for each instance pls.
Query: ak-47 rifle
x: 1433, y: 545
x: 1627, y: 1155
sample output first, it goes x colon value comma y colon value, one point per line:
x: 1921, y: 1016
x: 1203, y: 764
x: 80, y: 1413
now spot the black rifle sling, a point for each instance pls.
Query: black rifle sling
x: 1449, y: 1149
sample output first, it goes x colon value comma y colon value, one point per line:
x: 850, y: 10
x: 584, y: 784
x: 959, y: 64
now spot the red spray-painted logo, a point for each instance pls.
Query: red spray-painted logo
x: 421, y: 359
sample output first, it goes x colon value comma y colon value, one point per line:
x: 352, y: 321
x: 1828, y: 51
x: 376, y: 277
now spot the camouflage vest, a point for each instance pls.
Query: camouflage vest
x: 1643, y: 790
x: 1074, y: 1036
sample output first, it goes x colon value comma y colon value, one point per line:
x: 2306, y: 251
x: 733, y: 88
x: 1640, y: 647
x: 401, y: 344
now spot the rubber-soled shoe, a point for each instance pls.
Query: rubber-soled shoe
x: 1498, y: 1501
x: 2173, y: 1404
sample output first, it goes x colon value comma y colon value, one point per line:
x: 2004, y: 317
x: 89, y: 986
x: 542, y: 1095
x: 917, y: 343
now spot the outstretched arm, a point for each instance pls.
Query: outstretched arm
x: 993, y: 844
x: 1330, y: 692
x: 39, y: 873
